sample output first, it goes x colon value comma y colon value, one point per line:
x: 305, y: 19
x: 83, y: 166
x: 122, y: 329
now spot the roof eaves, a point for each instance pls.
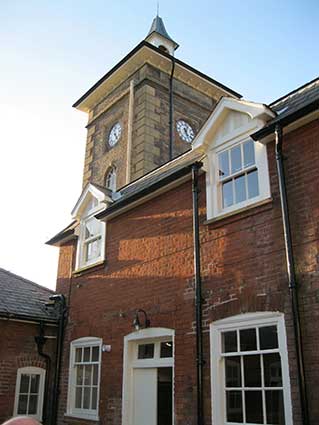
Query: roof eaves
x: 64, y: 235
x: 27, y: 318
x: 161, y: 52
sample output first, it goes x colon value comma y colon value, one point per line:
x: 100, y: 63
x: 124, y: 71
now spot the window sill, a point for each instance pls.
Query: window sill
x: 83, y: 417
x: 247, y: 209
x: 82, y: 270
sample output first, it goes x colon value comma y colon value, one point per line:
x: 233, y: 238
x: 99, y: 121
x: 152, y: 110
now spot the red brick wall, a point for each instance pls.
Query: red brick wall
x: 149, y: 265
x: 18, y: 349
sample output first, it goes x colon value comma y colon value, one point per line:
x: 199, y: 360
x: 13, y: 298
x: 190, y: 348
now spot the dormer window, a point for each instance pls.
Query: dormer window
x: 236, y: 167
x: 91, y: 238
x: 91, y: 231
x: 110, y: 179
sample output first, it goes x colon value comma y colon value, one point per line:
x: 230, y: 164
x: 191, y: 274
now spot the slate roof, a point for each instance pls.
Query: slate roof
x: 304, y: 98
x: 297, y: 99
x: 23, y: 299
x: 152, y: 181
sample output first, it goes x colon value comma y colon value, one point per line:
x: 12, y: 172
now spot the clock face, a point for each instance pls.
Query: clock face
x: 185, y: 131
x: 115, y: 134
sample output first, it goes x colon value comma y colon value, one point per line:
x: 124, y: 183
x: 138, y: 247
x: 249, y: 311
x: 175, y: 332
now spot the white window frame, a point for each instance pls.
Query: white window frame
x: 243, y: 321
x: 30, y: 370
x: 71, y: 409
x: 130, y: 361
x: 214, y: 183
x: 81, y: 262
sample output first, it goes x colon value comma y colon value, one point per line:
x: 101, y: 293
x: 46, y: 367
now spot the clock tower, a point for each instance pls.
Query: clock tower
x: 145, y: 111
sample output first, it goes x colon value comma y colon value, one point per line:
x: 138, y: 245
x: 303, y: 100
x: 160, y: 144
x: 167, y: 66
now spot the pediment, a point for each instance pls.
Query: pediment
x: 230, y: 119
x: 93, y: 199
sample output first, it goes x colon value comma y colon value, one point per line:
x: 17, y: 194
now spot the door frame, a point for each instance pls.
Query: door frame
x: 129, y: 352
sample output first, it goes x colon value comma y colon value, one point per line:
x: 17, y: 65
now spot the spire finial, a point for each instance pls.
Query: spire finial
x: 157, y: 13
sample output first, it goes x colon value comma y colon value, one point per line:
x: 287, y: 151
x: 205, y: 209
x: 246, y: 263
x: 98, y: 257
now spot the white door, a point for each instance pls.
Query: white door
x: 145, y: 396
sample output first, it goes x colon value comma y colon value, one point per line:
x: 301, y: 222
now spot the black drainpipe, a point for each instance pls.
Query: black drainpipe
x: 198, y: 296
x: 171, y: 111
x: 40, y: 341
x: 60, y: 302
x: 293, y: 287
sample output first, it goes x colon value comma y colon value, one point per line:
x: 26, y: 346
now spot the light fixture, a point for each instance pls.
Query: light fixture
x: 136, y: 322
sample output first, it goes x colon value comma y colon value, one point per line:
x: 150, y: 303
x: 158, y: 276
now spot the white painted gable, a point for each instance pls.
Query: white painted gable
x: 91, y: 199
x: 231, y: 119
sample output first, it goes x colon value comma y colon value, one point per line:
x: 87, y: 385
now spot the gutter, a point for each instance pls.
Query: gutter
x: 293, y: 284
x: 285, y: 120
x: 40, y: 340
x: 59, y: 300
x: 198, y: 296
x: 28, y: 319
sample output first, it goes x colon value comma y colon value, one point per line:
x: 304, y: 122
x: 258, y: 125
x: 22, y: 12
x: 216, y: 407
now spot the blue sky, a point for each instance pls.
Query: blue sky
x: 53, y: 51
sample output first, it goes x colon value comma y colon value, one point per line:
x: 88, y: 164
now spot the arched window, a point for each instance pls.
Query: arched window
x: 110, y: 179
x: 163, y: 48
x: 29, y: 392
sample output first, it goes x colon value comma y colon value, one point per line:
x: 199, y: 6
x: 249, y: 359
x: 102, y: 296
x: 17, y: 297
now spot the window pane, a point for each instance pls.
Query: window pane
x: 94, y: 398
x: 86, y: 397
x: 78, y: 355
x: 253, y: 189
x: 252, y: 371
x: 145, y: 351
x: 228, y: 194
x: 234, y: 406
x: 95, y: 354
x: 86, y: 356
x: 78, y: 397
x: 249, y: 153
x: 87, y: 375
x: 240, y: 189
x: 223, y: 164
x: 229, y: 341
x: 24, y: 383
x: 35, y: 379
x: 166, y: 349
x: 268, y: 337
x: 92, y: 228
x: 235, y: 154
x: 248, y: 340
x: 79, y: 375
x: 95, y: 374
x: 232, y: 372
x: 33, y: 403
x: 93, y: 249
x: 254, y: 409
x: 275, y: 408
x: 22, y: 406
x: 272, y: 370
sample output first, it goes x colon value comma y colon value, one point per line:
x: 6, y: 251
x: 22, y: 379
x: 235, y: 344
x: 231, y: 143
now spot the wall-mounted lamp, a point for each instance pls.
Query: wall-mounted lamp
x: 136, y: 322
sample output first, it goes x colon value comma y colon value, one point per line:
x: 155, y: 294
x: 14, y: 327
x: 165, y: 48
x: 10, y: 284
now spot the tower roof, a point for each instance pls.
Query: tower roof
x: 159, y: 27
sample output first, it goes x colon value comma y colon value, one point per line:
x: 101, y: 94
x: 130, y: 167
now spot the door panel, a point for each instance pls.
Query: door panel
x: 145, y: 396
